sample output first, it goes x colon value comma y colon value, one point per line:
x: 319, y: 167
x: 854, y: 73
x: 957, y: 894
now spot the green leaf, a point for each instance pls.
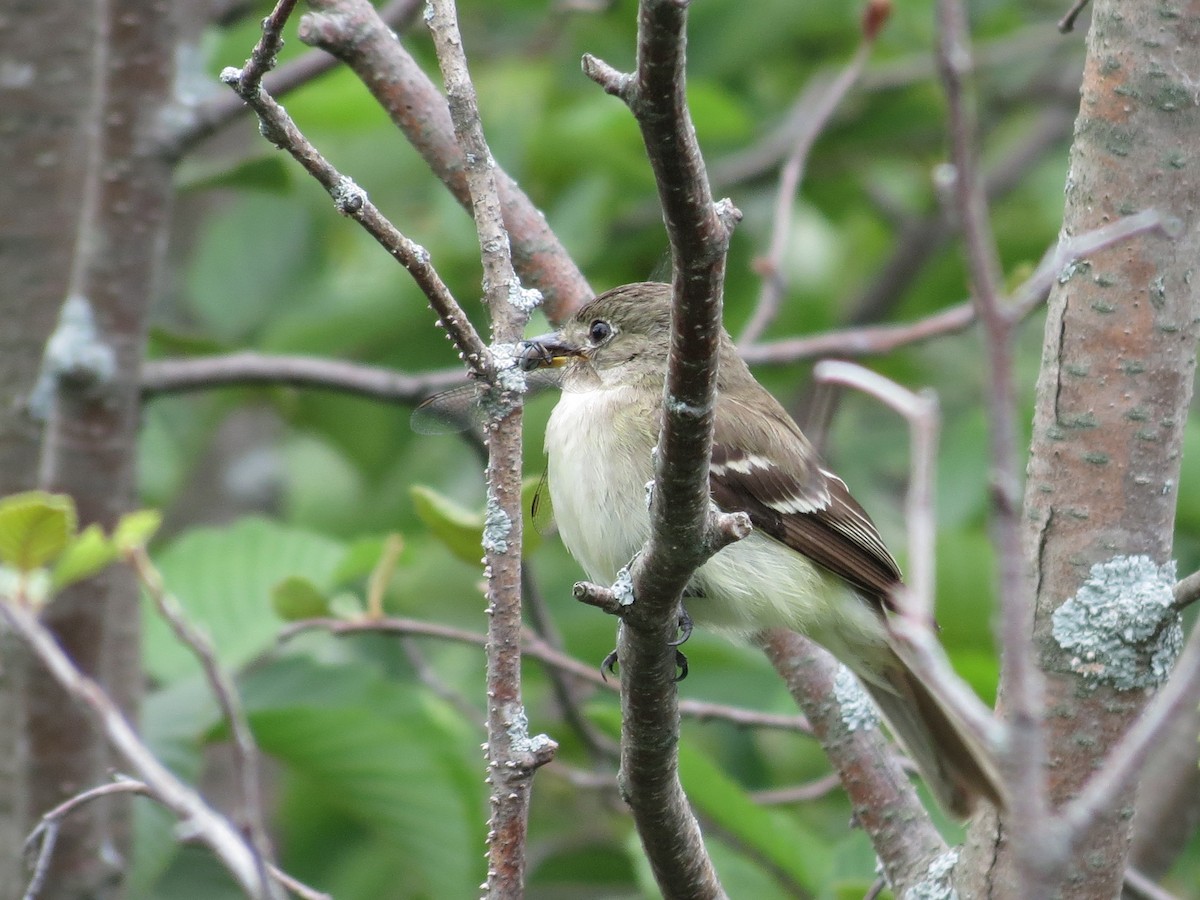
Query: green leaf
x: 262, y: 173
x: 135, y: 529
x: 84, y: 556
x: 455, y: 526
x: 223, y: 578
x: 796, y: 853
x: 383, y: 754
x: 347, y: 605
x: 35, y: 527
x: 296, y: 598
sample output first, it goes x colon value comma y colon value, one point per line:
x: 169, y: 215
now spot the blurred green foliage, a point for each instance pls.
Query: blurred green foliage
x: 375, y: 779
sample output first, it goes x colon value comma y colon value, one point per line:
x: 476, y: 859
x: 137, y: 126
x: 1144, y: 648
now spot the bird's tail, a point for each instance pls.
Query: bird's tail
x: 958, y: 771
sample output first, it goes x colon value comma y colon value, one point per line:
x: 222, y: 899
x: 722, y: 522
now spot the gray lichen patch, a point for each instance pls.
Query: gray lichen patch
x: 496, y: 526
x: 623, y: 587
x: 936, y: 884
x: 858, y: 711
x: 1121, y: 626
x: 75, y: 353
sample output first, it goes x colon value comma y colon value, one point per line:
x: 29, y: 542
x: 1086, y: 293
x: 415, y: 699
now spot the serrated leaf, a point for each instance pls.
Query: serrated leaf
x: 223, y: 579
x: 377, y: 751
x: 296, y: 598
x: 454, y: 525
x: 87, y: 554
x: 135, y: 529
x: 795, y: 852
x: 35, y: 528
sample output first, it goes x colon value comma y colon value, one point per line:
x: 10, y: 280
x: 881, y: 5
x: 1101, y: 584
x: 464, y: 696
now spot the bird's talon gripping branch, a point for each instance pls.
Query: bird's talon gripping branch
x: 681, y: 664
x: 685, y: 629
x: 609, y: 665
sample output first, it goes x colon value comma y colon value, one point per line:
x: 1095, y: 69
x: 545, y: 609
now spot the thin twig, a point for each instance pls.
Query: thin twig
x: 920, y: 411
x: 1025, y: 300
x: 513, y: 754
x: 566, y: 691
x: 914, y: 628
x: 208, y: 826
x: 1140, y: 887
x: 45, y: 835
x: 770, y: 266
x: 244, y: 369
x: 1187, y: 591
x: 352, y: 31
x: 245, y: 750
x: 351, y: 200
x: 1067, y: 23
x: 206, y: 119
x: 536, y: 648
x: 262, y: 58
x: 801, y: 793
x: 1025, y: 751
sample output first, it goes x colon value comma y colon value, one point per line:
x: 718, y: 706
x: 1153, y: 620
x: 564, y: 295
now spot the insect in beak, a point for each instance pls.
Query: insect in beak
x: 545, y: 351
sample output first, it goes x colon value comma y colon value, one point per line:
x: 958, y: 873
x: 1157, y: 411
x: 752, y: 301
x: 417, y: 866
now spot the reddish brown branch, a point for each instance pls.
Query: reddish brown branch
x: 513, y: 754
x: 351, y: 200
x: 353, y: 31
x: 885, y: 803
x: 206, y: 119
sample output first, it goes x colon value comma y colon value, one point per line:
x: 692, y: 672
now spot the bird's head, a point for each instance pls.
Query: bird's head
x: 629, y: 326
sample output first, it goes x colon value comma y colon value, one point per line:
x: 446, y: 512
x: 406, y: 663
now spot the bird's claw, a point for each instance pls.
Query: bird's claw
x: 685, y: 629
x: 609, y: 665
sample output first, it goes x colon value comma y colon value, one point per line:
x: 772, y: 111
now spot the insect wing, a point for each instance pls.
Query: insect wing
x: 541, y: 510
x: 450, y: 411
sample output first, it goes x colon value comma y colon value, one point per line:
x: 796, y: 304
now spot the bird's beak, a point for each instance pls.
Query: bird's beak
x: 546, y: 351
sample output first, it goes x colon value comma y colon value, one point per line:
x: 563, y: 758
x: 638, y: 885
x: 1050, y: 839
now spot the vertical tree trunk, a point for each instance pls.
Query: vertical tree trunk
x: 44, y: 113
x: 1116, y: 380
x: 88, y: 85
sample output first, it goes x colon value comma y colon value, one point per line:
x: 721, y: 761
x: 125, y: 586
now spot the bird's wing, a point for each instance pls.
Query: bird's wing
x: 789, y: 496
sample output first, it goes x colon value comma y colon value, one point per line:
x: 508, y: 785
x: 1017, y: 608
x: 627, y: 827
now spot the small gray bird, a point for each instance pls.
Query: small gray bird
x: 814, y: 563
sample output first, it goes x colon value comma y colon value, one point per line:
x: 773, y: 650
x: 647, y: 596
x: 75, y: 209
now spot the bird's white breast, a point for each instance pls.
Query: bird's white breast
x: 599, y: 445
x: 599, y: 462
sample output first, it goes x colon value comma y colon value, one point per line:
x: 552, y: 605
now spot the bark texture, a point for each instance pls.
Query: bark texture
x: 84, y: 216
x: 1112, y: 398
x: 44, y: 104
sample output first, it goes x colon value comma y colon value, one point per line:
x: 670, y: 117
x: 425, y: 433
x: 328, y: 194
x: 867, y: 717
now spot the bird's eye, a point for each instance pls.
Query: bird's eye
x: 599, y: 331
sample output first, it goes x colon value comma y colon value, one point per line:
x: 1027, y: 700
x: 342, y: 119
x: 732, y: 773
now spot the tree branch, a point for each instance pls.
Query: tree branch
x: 1024, y: 759
x: 513, y: 754
x: 248, y: 368
x: 770, y: 266
x: 245, y: 751
x: 536, y: 648
x: 884, y: 801
x: 351, y: 200
x: 207, y: 118
x: 214, y: 830
x: 353, y: 31
x: 682, y: 526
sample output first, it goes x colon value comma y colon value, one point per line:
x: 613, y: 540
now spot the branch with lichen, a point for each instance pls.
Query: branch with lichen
x: 354, y: 32
x: 685, y: 530
x: 348, y: 198
x: 513, y: 754
x: 885, y: 803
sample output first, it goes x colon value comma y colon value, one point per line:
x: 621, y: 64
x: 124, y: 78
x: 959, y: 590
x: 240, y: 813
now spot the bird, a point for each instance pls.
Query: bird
x: 814, y: 561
